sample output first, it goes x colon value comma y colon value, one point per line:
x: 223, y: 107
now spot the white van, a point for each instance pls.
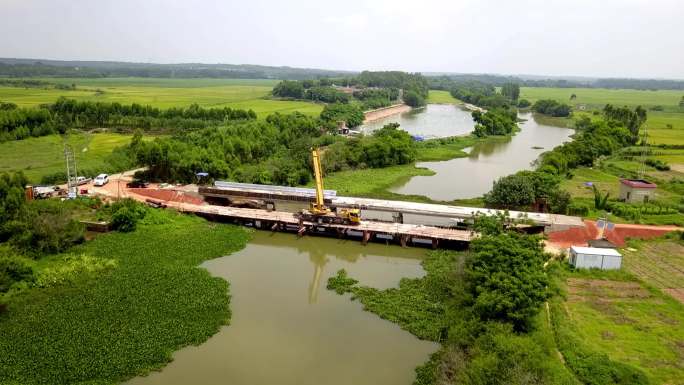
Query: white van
x: 101, y: 180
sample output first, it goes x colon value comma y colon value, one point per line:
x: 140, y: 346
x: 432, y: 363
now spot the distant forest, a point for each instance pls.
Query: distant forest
x: 443, y: 82
x: 24, y: 68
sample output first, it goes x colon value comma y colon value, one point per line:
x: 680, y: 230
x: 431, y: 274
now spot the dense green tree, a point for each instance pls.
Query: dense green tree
x: 349, y: 113
x: 524, y: 103
x: 511, y: 91
x: 633, y: 120
x: 512, y: 192
x: 505, y: 279
x: 552, y: 107
x: 413, y: 99
x: 494, y: 122
x: 289, y: 89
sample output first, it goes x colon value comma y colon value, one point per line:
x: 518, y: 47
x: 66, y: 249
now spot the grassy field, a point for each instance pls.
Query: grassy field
x: 165, y: 93
x: 441, y: 97
x: 659, y: 263
x: 37, y: 157
x: 146, y: 299
x: 664, y: 127
x: 628, y: 315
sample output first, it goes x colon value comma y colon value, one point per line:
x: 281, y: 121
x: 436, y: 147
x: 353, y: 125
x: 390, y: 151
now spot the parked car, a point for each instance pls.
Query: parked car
x: 137, y: 183
x: 101, y: 180
x: 81, y: 180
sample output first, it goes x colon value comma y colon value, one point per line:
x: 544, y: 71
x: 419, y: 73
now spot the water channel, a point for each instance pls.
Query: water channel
x: 473, y: 175
x: 287, y: 328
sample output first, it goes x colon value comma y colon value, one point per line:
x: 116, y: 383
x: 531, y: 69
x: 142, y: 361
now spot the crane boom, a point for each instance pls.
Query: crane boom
x: 318, y: 175
x: 318, y: 212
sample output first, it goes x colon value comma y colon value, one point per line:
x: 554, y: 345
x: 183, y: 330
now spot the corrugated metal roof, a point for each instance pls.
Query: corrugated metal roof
x: 595, y: 251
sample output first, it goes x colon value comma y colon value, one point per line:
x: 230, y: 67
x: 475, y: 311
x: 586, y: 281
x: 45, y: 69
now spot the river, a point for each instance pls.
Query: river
x: 432, y: 121
x: 473, y: 175
x: 287, y: 328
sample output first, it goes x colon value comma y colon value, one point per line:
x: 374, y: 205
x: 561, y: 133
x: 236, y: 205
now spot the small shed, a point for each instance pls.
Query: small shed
x: 593, y: 257
x: 636, y: 190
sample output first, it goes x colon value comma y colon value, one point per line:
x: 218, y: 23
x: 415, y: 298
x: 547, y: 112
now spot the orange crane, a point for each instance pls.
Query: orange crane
x: 318, y: 212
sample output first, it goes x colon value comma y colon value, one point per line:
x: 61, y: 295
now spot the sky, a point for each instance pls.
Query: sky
x: 595, y: 38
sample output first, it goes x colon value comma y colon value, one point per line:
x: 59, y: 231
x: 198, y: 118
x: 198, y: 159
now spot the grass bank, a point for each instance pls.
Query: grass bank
x: 102, y: 326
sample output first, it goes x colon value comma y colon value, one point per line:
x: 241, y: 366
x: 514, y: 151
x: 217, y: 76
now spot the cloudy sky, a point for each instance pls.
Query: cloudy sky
x: 614, y: 38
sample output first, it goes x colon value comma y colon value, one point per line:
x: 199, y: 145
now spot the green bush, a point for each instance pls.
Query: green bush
x: 124, y: 220
x: 14, y: 269
x: 578, y: 209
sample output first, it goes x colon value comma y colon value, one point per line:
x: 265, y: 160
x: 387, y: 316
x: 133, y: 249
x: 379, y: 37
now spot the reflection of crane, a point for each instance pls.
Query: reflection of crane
x: 318, y: 212
x: 319, y: 261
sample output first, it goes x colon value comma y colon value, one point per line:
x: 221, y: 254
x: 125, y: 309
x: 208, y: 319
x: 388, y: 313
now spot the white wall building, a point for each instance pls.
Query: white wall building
x: 593, y: 257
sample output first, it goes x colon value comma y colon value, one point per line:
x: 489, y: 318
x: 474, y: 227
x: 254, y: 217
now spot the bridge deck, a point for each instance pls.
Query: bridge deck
x: 397, y: 229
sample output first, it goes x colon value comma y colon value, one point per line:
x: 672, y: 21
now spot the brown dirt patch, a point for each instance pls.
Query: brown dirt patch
x: 677, y: 294
x: 579, y: 236
x: 167, y: 195
x: 603, y: 291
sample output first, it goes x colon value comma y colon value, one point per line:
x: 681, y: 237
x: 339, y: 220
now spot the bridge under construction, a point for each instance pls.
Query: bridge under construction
x: 276, y: 208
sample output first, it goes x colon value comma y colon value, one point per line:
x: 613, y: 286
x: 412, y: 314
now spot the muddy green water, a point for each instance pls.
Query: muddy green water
x: 432, y: 121
x: 287, y: 328
x: 474, y: 175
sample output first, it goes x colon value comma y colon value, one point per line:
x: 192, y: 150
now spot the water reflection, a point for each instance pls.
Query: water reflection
x: 287, y: 328
x: 473, y: 175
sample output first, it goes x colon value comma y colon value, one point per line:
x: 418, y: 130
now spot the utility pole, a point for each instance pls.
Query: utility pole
x: 71, y: 172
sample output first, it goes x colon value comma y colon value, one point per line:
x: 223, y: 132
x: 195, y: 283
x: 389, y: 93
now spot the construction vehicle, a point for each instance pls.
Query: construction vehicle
x: 318, y: 212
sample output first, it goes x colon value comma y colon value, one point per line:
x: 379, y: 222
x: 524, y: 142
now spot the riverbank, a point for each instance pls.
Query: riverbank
x: 380, y: 113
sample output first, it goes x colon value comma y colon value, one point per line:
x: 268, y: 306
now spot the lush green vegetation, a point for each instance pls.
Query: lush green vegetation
x: 150, y: 287
x: 350, y: 114
x: 370, y: 89
x: 457, y: 304
x: 496, y: 121
x: 16, y: 123
x: 551, y: 107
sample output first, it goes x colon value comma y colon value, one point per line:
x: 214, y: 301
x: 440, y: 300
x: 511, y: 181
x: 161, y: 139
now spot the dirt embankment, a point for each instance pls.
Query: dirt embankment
x: 385, y: 112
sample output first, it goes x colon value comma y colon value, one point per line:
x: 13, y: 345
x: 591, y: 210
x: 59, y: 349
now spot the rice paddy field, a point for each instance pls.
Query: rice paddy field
x: 165, y: 93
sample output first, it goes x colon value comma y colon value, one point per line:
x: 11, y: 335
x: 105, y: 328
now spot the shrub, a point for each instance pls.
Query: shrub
x: 124, y: 220
x: 13, y: 269
x: 578, y: 209
x: 524, y: 103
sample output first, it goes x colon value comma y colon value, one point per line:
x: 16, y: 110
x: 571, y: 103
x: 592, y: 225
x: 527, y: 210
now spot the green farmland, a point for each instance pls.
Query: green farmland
x: 164, y: 93
x: 665, y: 127
x: 38, y: 157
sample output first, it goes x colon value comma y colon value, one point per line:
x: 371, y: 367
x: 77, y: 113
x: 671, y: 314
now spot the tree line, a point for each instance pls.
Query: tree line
x: 442, y: 82
x: 372, y: 89
x: 273, y: 151
x: 93, y: 69
x: 551, y: 107
x: 20, y: 123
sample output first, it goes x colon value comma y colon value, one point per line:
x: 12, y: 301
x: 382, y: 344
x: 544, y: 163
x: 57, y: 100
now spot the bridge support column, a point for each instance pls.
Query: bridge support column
x: 435, y: 243
x: 366, y: 237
